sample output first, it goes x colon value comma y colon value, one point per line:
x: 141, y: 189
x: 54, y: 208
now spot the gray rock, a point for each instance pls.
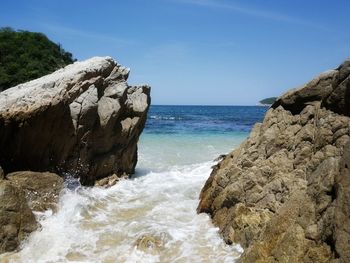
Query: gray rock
x: 73, y: 121
x: 108, y: 109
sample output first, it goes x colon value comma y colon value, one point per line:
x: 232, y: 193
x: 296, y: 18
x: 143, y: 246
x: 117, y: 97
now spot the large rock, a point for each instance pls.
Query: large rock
x: 284, y: 194
x: 16, y: 218
x: 83, y: 120
x: 331, y: 89
x: 41, y: 189
x: 20, y: 194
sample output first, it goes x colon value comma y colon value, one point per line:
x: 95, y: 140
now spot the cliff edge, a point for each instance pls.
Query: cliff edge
x: 284, y: 194
x: 84, y: 120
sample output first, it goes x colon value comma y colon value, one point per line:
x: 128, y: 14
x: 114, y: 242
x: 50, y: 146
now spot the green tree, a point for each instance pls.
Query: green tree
x: 28, y: 55
x: 270, y: 100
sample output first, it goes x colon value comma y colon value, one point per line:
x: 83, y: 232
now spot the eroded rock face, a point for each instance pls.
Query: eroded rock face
x: 284, y: 194
x: 83, y: 119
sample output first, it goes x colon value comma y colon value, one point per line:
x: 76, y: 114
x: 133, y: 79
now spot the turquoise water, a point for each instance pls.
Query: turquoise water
x: 176, y: 152
x: 180, y: 135
x: 158, y: 152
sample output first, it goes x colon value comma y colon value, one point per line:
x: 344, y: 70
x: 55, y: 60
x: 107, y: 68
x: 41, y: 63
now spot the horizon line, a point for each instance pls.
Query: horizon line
x: 215, y: 105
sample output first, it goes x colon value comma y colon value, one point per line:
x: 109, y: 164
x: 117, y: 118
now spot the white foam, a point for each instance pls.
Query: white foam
x: 103, y: 225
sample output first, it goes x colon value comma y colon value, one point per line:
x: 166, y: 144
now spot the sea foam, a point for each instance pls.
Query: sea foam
x: 103, y: 225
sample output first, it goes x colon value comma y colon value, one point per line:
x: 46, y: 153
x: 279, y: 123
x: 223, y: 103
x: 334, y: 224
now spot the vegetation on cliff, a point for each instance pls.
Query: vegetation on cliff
x: 28, y: 55
x: 270, y: 100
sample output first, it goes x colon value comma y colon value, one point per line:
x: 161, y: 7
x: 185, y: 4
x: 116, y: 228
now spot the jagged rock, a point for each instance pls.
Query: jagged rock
x: 284, y: 194
x: 331, y: 89
x: 83, y: 119
x: 109, y: 181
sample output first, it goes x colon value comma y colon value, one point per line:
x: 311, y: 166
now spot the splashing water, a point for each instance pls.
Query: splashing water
x: 105, y: 225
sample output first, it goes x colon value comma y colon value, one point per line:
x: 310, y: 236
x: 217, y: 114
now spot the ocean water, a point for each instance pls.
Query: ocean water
x: 176, y: 152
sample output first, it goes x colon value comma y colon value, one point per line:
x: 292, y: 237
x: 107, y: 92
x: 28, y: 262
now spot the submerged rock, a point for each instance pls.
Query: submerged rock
x: 284, y: 194
x: 83, y: 119
x: 149, y: 244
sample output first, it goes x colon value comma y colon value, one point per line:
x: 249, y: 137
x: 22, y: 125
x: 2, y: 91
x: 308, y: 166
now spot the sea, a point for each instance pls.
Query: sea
x: 177, y: 149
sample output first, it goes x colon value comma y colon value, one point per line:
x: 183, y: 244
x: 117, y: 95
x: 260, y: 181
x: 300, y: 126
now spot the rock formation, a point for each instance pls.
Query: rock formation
x: 83, y: 120
x: 284, y: 194
x: 20, y: 194
x: 41, y: 190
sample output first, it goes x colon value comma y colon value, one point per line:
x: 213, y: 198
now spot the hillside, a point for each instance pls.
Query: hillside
x: 28, y: 55
x: 269, y: 101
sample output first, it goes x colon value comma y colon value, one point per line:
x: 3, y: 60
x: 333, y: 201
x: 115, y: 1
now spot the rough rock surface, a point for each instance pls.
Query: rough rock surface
x: 16, y: 218
x: 83, y: 119
x: 20, y: 194
x: 41, y: 189
x: 284, y: 194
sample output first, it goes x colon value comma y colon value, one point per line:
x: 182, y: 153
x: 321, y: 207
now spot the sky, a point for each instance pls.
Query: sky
x: 198, y: 52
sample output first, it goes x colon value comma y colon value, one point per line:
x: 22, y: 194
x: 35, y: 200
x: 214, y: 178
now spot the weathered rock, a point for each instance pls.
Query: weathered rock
x: 16, y: 218
x: 108, y: 181
x: 284, y: 194
x: 41, y: 189
x: 83, y: 119
x: 341, y: 234
x: 20, y: 194
x: 331, y: 89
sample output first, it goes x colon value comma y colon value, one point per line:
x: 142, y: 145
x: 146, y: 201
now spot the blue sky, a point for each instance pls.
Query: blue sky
x: 214, y: 52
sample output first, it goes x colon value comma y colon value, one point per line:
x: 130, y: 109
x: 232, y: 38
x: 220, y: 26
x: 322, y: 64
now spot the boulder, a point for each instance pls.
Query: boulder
x: 21, y: 193
x: 84, y: 120
x: 41, y: 189
x: 284, y: 193
x: 16, y: 218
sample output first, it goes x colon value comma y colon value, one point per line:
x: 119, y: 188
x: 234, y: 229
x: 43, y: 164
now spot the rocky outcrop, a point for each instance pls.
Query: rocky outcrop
x: 20, y: 194
x: 284, y: 194
x: 83, y: 120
